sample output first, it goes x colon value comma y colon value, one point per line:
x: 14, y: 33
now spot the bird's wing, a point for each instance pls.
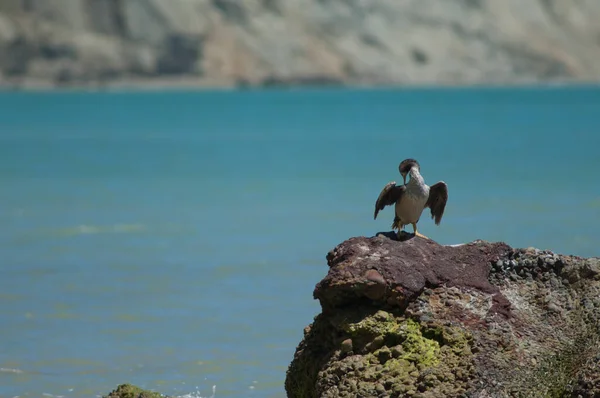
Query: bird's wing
x: 389, y: 195
x: 438, y: 196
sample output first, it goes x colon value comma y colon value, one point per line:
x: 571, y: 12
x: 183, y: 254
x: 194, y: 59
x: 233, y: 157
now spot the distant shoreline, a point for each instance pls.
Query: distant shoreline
x: 194, y: 84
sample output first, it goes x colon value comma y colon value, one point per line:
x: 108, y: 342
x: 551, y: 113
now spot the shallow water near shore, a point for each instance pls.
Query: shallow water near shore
x: 173, y: 240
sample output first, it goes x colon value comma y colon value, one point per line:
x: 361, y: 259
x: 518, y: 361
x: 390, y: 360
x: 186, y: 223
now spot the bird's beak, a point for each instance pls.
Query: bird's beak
x: 404, y: 178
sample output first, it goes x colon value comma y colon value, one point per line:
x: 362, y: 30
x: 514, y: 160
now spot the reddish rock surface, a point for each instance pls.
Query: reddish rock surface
x: 386, y: 271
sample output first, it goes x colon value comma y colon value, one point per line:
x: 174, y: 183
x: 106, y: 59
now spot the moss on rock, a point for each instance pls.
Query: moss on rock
x: 391, y: 355
x: 130, y: 391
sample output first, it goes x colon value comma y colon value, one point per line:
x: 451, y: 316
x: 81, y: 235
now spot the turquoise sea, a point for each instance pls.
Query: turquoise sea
x: 173, y: 239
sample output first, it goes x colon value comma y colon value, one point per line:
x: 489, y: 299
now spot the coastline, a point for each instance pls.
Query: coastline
x: 206, y: 85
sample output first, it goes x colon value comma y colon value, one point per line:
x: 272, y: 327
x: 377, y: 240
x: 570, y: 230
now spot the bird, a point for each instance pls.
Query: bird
x: 411, y: 199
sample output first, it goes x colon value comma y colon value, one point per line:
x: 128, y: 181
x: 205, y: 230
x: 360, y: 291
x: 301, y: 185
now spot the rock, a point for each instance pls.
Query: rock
x: 346, y: 345
x: 180, y: 55
x: 475, y: 320
x: 297, y: 42
x: 129, y: 391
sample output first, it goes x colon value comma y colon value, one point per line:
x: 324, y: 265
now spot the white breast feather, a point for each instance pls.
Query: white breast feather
x: 410, y: 207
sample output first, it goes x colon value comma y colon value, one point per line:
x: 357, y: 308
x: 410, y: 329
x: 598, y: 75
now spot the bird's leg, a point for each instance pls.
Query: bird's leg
x: 417, y: 233
x: 400, y: 231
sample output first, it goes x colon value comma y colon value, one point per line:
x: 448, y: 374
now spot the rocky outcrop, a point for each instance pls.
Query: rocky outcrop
x: 416, y: 319
x: 130, y: 391
x: 300, y: 42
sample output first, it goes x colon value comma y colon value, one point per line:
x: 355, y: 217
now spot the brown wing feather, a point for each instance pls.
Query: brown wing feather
x: 438, y: 196
x: 388, y: 196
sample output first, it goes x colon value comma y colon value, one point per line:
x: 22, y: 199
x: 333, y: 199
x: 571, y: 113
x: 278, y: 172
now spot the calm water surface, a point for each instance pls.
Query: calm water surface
x: 173, y: 240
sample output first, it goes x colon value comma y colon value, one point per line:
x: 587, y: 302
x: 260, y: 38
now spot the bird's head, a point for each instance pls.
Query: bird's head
x: 405, y: 167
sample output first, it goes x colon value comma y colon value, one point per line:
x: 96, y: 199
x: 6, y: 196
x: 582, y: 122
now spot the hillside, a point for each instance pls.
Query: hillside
x: 270, y: 42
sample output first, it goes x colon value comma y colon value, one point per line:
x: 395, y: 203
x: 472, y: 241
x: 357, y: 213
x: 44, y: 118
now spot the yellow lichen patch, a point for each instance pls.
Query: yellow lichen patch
x: 381, y: 323
x: 416, y: 347
x: 383, y: 328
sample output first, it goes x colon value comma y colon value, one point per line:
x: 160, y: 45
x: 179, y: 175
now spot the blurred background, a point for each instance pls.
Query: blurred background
x: 273, y: 42
x: 174, y: 172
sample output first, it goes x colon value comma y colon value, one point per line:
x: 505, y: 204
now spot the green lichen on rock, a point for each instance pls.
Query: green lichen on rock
x: 383, y: 328
x: 391, y: 355
x: 312, y: 353
x: 130, y: 391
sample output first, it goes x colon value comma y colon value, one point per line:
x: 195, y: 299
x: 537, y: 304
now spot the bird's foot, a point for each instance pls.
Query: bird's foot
x: 414, y: 225
x: 420, y: 235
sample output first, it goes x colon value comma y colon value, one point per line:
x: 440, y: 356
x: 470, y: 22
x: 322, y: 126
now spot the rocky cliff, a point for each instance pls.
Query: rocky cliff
x: 272, y: 42
x: 480, y: 320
